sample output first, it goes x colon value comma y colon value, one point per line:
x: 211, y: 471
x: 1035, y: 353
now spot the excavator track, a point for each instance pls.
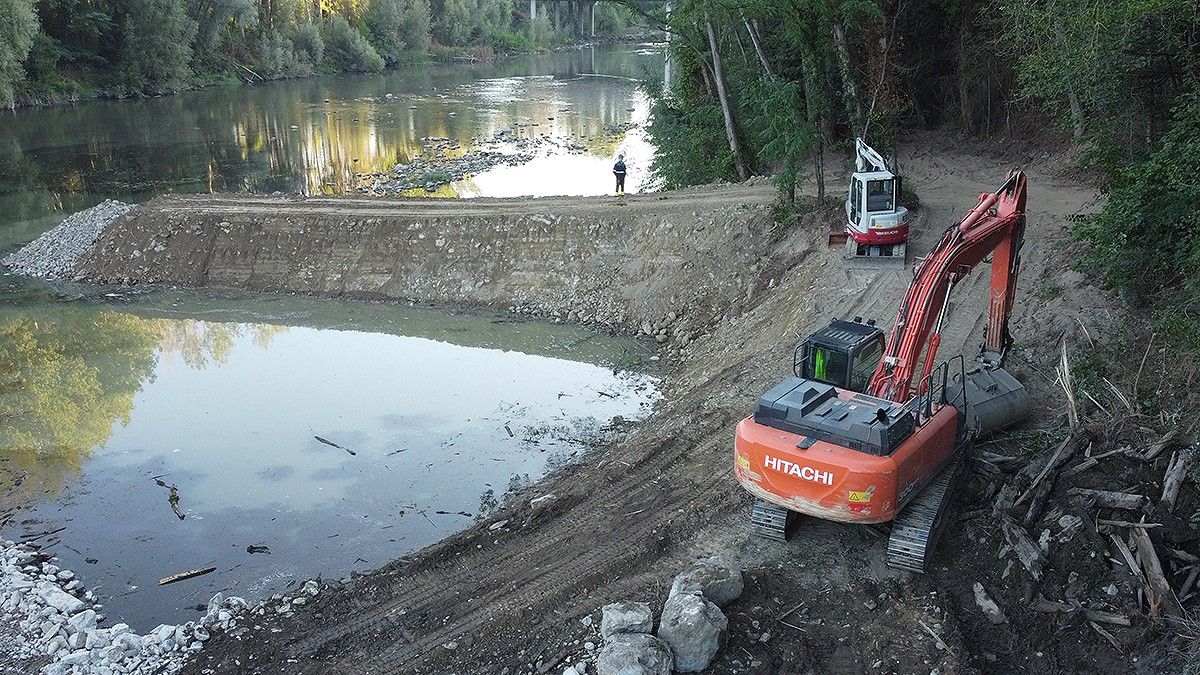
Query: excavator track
x: 770, y: 521
x: 916, y: 530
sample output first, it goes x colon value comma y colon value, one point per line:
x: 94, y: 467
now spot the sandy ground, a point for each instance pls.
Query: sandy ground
x: 512, y: 595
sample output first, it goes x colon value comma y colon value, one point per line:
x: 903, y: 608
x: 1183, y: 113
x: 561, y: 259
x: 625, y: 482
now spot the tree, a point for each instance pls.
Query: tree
x: 155, y: 46
x: 348, y: 50
x: 398, y: 29
x: 18, y: 27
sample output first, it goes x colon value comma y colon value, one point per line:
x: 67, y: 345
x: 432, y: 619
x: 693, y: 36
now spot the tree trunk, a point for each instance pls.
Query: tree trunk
x: 812, y: 112
x: 752, y: 29
x: 849, y: 88
x: 1072, y: 98
x: 726, y: 109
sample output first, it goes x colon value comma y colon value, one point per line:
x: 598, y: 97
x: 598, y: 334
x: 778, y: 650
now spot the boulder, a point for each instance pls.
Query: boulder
x: 634, y: 654
x: 59, y: 599
x: 626, y: 617
x: 694, y: 628
x: 718, y: 583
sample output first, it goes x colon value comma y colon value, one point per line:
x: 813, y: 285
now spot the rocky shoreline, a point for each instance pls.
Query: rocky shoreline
x: 56, y: 624
x: 53, y: 254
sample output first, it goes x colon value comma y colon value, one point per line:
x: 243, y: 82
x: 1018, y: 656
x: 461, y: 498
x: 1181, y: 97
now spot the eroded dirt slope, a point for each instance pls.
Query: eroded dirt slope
x: 510, y: 594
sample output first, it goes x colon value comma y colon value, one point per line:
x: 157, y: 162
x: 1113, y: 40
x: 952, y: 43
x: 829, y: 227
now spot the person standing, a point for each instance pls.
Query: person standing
x: 619, y: 172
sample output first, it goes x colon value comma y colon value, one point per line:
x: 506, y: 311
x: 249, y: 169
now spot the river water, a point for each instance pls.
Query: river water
x: 279, y: 438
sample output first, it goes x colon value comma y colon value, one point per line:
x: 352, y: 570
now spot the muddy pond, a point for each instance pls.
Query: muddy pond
x: 278, y: 438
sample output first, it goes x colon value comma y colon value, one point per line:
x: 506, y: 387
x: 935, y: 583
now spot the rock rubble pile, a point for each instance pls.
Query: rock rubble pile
x: 56, y: 618
x: 53, y: 255
x: 691, y: 630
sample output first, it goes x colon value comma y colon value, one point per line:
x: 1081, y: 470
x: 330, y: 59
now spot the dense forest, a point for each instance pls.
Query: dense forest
x: 766, y: 86
x: 58, y: 49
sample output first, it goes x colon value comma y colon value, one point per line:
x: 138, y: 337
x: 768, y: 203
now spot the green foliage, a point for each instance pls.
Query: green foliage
x: 150, y: 46
x: 18, y: 27
x: 1146, y: 240
x: 399, y: 29
x: 786, y: 136
x: 612, y: 19
x: 347, y: 50
x: 155, y: 49
x: 1108, y: 69
x: 277, y: 56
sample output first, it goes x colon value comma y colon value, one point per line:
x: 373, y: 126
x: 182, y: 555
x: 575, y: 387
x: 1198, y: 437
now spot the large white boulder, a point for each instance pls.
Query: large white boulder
x: 634, y: 654
x: 694, y: 628
x: 626, y: 617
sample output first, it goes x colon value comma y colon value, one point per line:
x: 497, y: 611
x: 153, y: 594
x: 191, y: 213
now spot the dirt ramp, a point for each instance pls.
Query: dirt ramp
x: 632, y: 261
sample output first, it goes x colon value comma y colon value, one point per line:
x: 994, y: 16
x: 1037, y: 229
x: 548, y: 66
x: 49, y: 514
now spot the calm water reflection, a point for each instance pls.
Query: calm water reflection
x: 315, y: 135
x: 225, y: 398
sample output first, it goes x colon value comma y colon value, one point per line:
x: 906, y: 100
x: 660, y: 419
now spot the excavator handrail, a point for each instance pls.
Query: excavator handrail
x: 921, y: 406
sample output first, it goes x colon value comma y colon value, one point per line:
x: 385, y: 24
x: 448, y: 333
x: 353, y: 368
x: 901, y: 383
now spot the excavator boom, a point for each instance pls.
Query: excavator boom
x: 995, y: 226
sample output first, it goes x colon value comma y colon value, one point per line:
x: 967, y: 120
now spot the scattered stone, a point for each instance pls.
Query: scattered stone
x: 988, y: 606
x: 718, y: 583
x: 694, y: 628
x: 626, y: 617
x: 634, y: 654
x: 49, y: 622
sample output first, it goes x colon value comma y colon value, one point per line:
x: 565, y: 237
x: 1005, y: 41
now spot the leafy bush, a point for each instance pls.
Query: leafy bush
x: 1146, y: 240
x: 18, y: 26
x: 347, y: 50
x: 308, y: 44
x: 277, y: 56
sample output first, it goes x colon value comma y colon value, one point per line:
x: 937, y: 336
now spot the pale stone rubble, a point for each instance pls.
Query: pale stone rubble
x: 691, y: 630
x: 56, y: 618
x: 53, y: 255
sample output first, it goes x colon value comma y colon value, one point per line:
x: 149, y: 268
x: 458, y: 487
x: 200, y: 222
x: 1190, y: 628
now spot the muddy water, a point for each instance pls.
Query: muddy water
x: 336, y: 435
x: 317, y: 135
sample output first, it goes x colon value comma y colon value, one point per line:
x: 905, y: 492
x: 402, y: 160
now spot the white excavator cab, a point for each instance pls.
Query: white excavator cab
x: 876, y: 223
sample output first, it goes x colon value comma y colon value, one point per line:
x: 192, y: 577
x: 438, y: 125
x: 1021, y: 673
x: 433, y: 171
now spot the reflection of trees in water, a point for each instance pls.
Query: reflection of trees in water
x: 63, y: 383
x: 67, y: 378
x: 200, y: 343
x: 241, y: 139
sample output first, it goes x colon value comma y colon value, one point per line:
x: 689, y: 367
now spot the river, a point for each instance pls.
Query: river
x: 279, y: 438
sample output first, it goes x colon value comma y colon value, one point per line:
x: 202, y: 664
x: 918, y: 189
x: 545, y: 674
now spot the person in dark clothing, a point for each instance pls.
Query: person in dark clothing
x: 619, y: 172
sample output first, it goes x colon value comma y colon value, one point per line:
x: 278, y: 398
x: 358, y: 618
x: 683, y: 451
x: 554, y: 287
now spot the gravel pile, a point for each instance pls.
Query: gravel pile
x: 53, y: 255
x: 55, y: 616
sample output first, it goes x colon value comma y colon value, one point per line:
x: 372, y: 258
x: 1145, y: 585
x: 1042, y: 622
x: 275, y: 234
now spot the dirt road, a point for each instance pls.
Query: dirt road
x: 512, y: 595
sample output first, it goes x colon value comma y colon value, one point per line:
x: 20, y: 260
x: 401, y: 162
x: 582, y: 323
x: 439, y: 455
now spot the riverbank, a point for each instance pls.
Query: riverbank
x: 707, y: 273
x: 81, y: 94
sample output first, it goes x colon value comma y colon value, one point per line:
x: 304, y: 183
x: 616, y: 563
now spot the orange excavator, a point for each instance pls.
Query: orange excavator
x: 872, y: 430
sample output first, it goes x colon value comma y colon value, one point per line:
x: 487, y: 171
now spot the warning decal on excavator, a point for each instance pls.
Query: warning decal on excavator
x: 862, y: 496
x: 743, y: 462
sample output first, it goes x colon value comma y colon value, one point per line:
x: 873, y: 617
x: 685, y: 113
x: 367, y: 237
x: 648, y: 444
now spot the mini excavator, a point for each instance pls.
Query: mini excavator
x: 876, y: 223
x: 872, y: 430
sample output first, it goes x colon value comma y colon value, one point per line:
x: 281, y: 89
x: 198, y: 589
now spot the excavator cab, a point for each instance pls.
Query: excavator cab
x: 844, y: 354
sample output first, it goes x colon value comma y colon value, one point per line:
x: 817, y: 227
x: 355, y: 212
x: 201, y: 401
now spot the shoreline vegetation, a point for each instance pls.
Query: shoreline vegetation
x: 55, y: 52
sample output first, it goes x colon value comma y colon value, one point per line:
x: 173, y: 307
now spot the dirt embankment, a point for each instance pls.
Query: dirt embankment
x: 669, y: 263
x: 511, y: 595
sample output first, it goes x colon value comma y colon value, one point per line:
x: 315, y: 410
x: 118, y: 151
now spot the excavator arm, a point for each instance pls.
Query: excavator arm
x: 994, y: 227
